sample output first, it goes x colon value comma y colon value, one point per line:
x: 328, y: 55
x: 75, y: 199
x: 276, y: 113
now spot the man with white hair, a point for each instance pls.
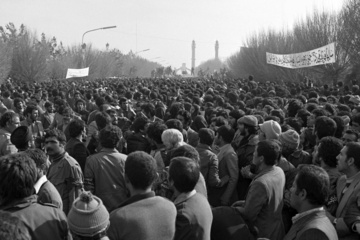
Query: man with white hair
x: 172, y: 138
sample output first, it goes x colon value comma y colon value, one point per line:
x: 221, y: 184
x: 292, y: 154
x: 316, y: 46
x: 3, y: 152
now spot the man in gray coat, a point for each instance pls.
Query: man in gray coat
x: 264, y: 201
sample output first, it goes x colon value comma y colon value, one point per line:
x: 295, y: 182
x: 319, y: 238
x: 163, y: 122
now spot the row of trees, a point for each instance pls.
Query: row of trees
x: 316, y: 30
x: 24, y: 57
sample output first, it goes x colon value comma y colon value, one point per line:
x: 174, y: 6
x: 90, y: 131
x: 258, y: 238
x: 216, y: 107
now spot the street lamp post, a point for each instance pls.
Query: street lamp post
x: 84, y: 46
x: 96, y: 29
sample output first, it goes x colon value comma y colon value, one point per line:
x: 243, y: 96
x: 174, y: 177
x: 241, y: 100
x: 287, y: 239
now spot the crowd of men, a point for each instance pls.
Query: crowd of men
x: 179, y: 159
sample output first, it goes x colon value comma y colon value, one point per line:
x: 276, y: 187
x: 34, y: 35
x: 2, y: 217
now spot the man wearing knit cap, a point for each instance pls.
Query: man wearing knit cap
x: 269, y: 130
x: 290, y: 141
x: 88, y: 217
x: 21, y: 137
x: 248, y: 128
x: 104, y: 171
x: 143, y: 215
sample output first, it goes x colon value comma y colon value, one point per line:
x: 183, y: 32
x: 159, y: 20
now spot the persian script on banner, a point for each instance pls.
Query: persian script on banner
x: 82, y: 72
x: 319, y: 56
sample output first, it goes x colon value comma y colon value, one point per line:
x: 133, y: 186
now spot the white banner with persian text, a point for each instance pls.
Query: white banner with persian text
x: 319, y: 56
x: 82, y: 72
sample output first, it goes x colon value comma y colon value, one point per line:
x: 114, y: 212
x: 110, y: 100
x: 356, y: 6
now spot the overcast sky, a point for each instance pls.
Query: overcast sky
x: 166, y: 27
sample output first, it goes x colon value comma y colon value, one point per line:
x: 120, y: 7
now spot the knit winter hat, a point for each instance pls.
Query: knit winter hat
x: 290, y: 138
x: 20, y: 136
x: 249, y: 120
x: 271, y: 129
x: 88, y: 216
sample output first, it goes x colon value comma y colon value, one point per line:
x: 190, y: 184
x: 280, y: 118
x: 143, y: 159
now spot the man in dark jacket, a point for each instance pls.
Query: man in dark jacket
x: 194, y: 216
x: 247, y: 127
x: 18, y: 175
x: 104, y: 171
x: 64, y: 172
x: 75, y: 146
x: 137, y: 140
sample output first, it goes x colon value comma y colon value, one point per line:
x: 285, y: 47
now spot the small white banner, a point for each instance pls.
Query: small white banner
x: 82, y: 72
x: 319, y: 56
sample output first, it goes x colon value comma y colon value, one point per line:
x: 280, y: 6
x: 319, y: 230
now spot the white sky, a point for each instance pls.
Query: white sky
x: 166, y: 27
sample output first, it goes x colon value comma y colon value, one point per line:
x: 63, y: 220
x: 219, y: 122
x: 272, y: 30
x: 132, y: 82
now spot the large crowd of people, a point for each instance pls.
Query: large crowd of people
x: 179, y: 159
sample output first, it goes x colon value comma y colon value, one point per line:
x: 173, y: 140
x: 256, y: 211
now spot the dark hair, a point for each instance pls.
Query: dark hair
x: 100, y: 101
x: 324, y: 126
x: 17, y: 100
x: 110, y: 136
x: 295, y: 123
x: 340, y: 126
x: 140, y: 169
x: 174, y: 109
x: 12, y: 228
x: 353, y: 151
x: 76, y: 126
x: 206, y: 136
x: 155, y: 131
x: 270, y: 150
x: 174, y: 123
x: 354, y: 132
x: 294, y: 106
x: 39, y: 158
x: 6, y: 117
x: 18, y: 174
x: 149, y: 109
x: 186, y: 115
x: 185, y: 173
x: 102, y: 119
x: 278, y: 113
x: 329, y: 148
x: 48, y: 104
x: 186, y: 151
x: 58, y: 134
x: 29, y: 109
x: 227, y: 133
x: 303, y: 114
x: 315, y: 181
x: 139, y: 124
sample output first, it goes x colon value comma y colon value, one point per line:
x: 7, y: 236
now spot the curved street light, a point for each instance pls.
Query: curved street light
x: 92, y: 30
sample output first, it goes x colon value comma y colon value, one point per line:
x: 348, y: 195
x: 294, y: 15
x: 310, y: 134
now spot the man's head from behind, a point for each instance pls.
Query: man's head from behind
x: 329, y: 148
x: 41, y: 160
x: 110, y: 136
x: 184, y: 173
x: 311, y: 187
x: 18, y: 175
x: 77, y: 128
x: 140, y: 170
x: 324, y: 126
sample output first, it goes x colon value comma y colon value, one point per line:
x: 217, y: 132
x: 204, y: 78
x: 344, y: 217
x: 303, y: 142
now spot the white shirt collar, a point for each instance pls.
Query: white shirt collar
x: 39, y: 183
x: 184, y: 196
x: 298, y: 216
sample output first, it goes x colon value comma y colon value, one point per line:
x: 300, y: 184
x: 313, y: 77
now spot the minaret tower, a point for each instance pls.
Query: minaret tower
x: 193, y: 55
x: 216, y: 49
